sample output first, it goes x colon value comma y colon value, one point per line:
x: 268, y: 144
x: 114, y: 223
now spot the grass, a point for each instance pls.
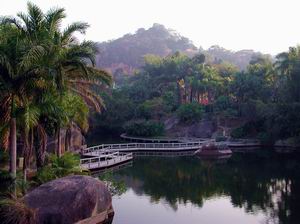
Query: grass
x: 14, y: 211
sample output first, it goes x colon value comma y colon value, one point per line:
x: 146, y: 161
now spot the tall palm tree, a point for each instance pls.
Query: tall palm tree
x: 57, y: 57
x: 72, y: 66
x: 14, y: 81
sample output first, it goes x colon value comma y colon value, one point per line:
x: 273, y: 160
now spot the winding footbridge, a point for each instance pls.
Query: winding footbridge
x: 109, y: 155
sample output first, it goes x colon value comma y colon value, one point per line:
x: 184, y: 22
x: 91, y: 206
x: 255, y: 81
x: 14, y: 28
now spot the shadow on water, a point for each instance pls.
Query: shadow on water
x: 263, y: 181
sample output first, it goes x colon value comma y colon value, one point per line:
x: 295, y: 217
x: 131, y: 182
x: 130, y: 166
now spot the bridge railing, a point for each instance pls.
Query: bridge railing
x: 105, y: 159
x: 106, y: 148
x: 163, y: 139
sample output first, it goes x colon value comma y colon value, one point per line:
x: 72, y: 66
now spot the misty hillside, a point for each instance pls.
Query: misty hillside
x: 239, y: 58
x: 126, y: 53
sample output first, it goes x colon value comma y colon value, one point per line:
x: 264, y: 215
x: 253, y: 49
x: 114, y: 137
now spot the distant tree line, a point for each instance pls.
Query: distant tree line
x: 266, y: 95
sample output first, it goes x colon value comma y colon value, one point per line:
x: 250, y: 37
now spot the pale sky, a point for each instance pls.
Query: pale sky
x: 269, y: 26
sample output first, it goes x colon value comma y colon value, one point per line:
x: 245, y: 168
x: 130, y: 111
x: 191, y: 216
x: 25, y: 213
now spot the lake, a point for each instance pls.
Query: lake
x: 249, y: 188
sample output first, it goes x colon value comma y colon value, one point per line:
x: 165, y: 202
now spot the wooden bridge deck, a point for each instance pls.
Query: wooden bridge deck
x: 105, y: 160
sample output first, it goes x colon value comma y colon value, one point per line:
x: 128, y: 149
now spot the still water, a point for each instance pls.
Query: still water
x: 248, y: 188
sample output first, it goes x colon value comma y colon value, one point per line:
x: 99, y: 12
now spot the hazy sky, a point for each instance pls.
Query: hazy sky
x: 270, y: 26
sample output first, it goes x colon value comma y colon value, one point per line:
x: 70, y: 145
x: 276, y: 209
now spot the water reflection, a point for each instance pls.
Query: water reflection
x: 264, y: 185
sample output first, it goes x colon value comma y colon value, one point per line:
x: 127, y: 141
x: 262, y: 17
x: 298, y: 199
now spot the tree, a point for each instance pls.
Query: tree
x: 288, y: 67
x: 15, y: 80
x: 61, y: 59
x: 37, y: 59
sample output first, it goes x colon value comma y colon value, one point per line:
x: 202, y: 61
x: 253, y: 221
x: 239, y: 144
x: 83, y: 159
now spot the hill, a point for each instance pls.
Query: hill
x: 125, y: 54
x: 239, y: 58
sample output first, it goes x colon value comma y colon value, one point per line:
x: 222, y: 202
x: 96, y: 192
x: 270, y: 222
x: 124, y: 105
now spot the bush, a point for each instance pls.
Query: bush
x: 144, y: 128
x: 151, y: 109
x: 265, y: 138
x: 4, y: 157
x: 238, y: 133
x: 221, y: 138
x: 5, y: 181
x: 68, y: 164
x: 190, y: 112
x: 14, y: 210
x: 222, y: 103
x: 250, y: 129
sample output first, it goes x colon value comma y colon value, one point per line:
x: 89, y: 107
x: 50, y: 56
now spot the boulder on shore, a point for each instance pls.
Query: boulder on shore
x: 72, y: 199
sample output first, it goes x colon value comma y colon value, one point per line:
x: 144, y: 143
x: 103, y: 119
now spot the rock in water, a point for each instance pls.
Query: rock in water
x: 72, y: 199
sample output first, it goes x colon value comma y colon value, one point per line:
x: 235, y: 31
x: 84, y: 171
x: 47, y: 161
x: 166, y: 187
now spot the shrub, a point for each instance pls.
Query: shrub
x: 238, y: 133
x: 4, y: 157
x: 151, y: 109
x: 221, y: 138
x: 222, y: 103
x: 5, y: 182
x: 169, y: 101
x: 265, y: 138
x: 250, y: 129
x: 68, y: 164
x: 14, y: 210
x: 190, y: 112
x: 144, y: 128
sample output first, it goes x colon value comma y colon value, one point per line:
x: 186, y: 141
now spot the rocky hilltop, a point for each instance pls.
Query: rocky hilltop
x: 124, y: 55
x: 127, y: 52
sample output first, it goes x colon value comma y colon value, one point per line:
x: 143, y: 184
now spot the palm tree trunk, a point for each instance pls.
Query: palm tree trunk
x: 191, y: 96
x: 40, y: 146
x: 179, y: 94
x: 28, y: 148
x: 25, y: 153
x: 13, y: 153
x: 13, y: 147
x: 59, y: 152
x: 68, y: 138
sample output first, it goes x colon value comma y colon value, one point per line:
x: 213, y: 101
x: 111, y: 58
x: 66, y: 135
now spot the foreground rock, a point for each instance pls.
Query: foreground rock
x: 72, y: 199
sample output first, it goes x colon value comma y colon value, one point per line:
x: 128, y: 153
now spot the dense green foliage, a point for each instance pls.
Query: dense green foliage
x: 264, y: 96
x: 57, y: 167
x: 190, y: 112
x: 48, y: 82
x: 145, y: 128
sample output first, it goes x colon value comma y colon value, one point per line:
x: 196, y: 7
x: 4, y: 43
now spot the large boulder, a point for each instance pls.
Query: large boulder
x: 71, y: 199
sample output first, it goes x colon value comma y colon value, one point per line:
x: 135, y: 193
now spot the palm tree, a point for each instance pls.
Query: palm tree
x: 57, y: 57
x: 14, y: 82
x: 72, y: 66
x: 29, y: 116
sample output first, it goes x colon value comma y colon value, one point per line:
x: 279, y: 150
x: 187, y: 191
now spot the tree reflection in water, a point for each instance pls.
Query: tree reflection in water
x: 263, y: 181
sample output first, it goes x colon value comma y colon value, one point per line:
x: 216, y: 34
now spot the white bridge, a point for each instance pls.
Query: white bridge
x: 108, y: 155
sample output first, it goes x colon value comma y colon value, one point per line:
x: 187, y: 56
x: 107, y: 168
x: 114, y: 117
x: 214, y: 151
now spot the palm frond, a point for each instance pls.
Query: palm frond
x: 32, y: 57
x: 100, y: 75
x: 5, y: 63
x: 35, y: 14
x: 91, y: 98
x: 54, y: 18
x: 8, y: 20
x: 80, y: 53
x: 71, y: 29
x: 84, y: 82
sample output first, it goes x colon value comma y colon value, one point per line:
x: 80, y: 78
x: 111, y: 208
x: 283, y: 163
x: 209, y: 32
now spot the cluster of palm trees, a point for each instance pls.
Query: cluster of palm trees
x: 47, y: 81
